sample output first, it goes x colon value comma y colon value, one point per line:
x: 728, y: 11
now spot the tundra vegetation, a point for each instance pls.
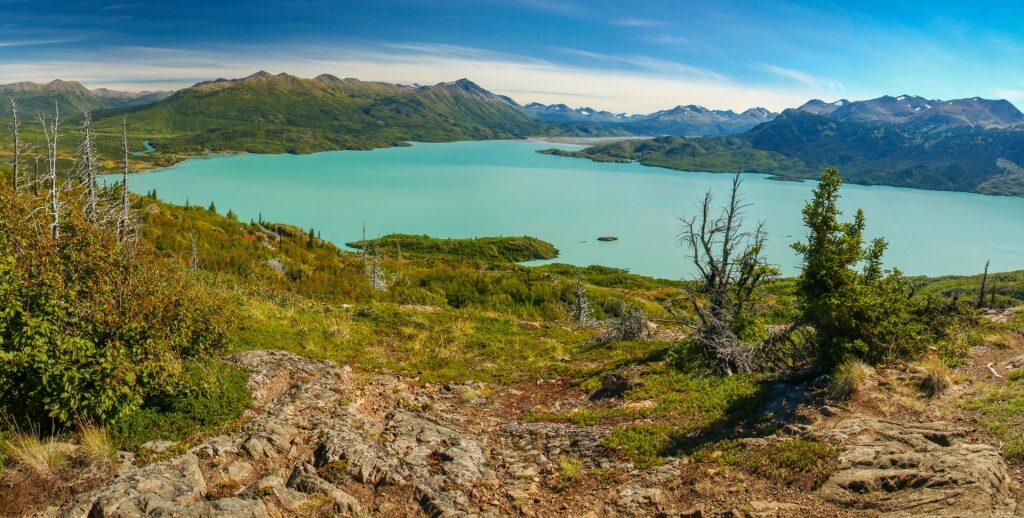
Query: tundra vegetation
x: 116, y: 310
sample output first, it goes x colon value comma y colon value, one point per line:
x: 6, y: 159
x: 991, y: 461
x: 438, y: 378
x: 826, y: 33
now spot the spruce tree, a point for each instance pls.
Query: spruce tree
x: 856, y: 312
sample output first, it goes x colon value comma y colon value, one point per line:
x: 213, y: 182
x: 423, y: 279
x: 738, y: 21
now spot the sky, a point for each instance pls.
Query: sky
x: 623, y: 56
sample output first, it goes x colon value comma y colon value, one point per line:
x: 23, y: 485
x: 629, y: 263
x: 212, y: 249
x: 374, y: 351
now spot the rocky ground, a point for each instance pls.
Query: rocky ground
x: 322, y: 440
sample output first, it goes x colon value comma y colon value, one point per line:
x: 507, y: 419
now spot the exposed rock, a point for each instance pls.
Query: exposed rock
x: 316, y: 430
x: 782, y: 401
x: 915, y: 469
x: 157, y: 446
x: 616, y: 383
x: 632, y: 499
x: 1000, y: 316
x: 239, y: 471
x: 159, y: 488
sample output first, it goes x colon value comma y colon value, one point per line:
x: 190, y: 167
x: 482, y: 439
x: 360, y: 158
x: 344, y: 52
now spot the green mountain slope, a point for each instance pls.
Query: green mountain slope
x: 282, y: 113
x: 71, y: 97
x: 798, y: 144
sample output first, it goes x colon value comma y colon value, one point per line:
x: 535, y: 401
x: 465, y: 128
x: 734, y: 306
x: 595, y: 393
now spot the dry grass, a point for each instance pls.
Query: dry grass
x: 97, y: 448
x: 934, y: 376
x: 44, y: 460
x: 849, y: 378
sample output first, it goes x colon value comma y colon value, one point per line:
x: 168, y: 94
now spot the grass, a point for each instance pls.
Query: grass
x: 335, y: 472
x: 222, y: 396
x: 96, y: 446
x: 42, y: 459
x: 569, y: 470
x: 688, y: 408
x: 1001, y: 410
x: 849, y: 378
x: 934, y: 377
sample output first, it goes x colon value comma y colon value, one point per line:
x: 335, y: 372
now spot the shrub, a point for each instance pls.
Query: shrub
x: 88, y: 325
x: 849, y: 378
x: 209, y: 394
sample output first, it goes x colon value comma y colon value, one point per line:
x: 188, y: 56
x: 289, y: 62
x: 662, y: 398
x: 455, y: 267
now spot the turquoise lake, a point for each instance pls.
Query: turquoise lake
x: 505, y: 188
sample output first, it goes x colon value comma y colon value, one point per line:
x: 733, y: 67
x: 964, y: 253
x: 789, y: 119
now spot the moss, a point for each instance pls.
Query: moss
x: 802, y: 463
x: 334, y: 472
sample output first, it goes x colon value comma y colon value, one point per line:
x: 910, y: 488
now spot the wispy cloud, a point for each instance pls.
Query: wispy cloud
x: 655, y: 65
x: 32, y: 43
x: 1010, y: 94
x: 639, y: 22
x: 812, y: 81
x: 669, y: 39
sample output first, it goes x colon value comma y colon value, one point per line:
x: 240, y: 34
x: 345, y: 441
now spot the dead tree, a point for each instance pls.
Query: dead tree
x: 980, y: 303
x: 629, y: 324
x: 579, y: 309
x: 51, y: 132
x: 19, y: 147
x: 193, y: 260
x: 730, y: 267
x: 88, y: 168
x: 125, y: 220
x: 375, y: 274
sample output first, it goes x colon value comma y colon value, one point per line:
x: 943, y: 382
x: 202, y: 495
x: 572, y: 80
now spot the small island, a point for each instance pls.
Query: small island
x: 607, y: 238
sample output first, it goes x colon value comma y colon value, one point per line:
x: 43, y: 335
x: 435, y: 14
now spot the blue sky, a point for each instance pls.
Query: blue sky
x: 623, y: 56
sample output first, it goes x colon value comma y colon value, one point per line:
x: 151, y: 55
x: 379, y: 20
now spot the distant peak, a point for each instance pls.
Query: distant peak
x: 465, y: 84
x: 327, y: 77
x: 259, y: 75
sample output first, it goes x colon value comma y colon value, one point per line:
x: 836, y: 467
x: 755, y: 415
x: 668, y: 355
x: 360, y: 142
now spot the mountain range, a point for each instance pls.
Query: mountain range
x: 688, y: 120
x: 969, y: 144
x: 71, y: 97
x: 268, y: 113
x: 974, y: 145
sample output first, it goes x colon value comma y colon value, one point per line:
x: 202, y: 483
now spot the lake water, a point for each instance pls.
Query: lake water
x: 505, y: 188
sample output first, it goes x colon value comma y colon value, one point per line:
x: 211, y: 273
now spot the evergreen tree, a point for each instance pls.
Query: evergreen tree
x: 860, y: 313
x: 213, y: 207
x: 311, y: 241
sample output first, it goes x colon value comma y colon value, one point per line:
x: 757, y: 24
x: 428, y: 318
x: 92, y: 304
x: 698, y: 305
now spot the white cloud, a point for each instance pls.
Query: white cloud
x: 618, y: 83
x: 668, y: 39
x: 32, y: 43
x: 814, y: 82
x: 1010, y: 94
x: 638, y: 22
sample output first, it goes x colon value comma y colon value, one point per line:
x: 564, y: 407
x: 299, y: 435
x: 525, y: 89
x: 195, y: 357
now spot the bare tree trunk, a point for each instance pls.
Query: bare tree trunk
x: 193, y: 262
x: 51, y: 133
x: 89, y: 164
x: 35, y: 174
x: 981, y: 292
x: 124, y: 219
x: 580, y: 310
x: 18, y: 144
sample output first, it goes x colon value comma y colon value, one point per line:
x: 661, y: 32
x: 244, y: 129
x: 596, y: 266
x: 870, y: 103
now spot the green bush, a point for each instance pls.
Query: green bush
x: 208, y: 394
x: 88, y: 325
